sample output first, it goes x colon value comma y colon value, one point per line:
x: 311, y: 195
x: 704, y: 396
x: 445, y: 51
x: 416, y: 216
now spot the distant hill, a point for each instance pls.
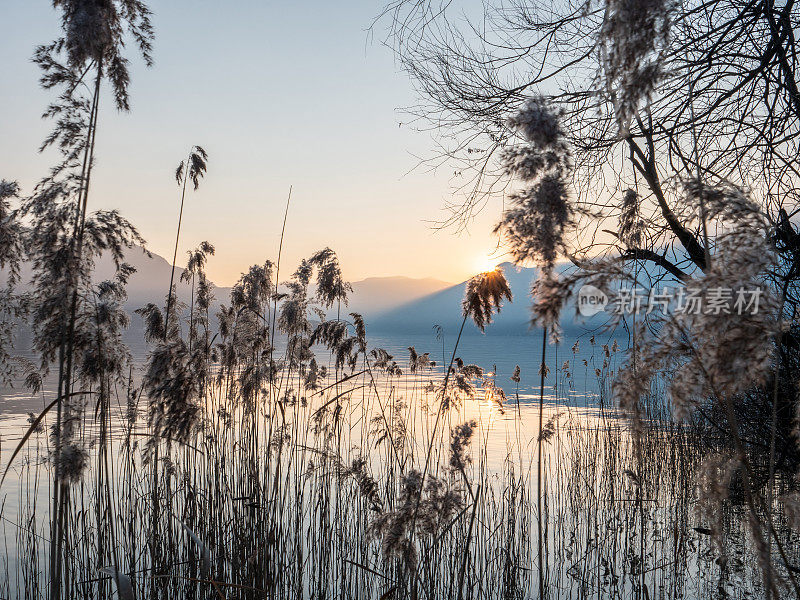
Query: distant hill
x: 148, y: 284
x: 372, y: 296
x: 150, y: 281
x: 390, y: 305
x: 444, y: 308
x: 377, y: 295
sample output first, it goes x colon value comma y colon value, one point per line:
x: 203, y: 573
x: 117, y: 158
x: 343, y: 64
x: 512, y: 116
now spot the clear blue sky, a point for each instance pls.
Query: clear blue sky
x: 279, y: 94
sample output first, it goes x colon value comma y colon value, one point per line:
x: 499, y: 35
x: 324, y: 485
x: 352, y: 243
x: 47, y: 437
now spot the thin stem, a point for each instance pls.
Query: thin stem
x: 542, y: 371
x: 277, y: 281
x: 175, y: 253
x: 61, y: 491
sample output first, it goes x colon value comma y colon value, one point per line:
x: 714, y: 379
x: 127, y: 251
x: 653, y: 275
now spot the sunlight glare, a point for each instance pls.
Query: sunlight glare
x: 484, y: 264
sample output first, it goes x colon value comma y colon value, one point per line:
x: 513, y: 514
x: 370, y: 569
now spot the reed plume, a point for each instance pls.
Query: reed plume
x: 192, y: 168
x: 484, y: 295
x: 65, y: 239
x: 534, y: 225
x: 12, y: 305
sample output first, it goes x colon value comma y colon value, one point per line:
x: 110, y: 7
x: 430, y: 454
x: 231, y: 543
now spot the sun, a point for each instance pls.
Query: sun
x: 484, y: 264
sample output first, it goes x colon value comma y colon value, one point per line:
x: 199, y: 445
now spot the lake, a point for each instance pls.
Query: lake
x: 313, y: 494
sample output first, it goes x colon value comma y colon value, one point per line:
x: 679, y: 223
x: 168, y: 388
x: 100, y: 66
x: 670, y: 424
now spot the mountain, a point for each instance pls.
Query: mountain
x: 370, y: 297
x: 389, y: 305
x: 148, y: 284
x: 150, y: 281
x: 377, y: 295
x: 444, y: 308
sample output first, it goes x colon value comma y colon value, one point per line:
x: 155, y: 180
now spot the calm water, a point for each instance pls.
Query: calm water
x: 496, y: 354
x: 577, y: 395
x: 591, y: 519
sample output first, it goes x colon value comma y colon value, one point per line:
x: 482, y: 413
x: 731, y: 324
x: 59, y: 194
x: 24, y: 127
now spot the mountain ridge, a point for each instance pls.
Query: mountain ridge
x: 443, y: 309
x: 149, y: 283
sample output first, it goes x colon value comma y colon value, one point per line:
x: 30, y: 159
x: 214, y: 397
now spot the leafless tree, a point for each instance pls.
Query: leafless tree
x: 651, y: 93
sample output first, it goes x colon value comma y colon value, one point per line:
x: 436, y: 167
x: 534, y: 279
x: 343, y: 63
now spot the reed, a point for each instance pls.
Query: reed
x: 274, y: 452
x: 336, y: 520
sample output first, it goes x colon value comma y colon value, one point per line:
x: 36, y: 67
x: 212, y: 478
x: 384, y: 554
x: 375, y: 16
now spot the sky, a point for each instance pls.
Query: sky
x: 279, y: 94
